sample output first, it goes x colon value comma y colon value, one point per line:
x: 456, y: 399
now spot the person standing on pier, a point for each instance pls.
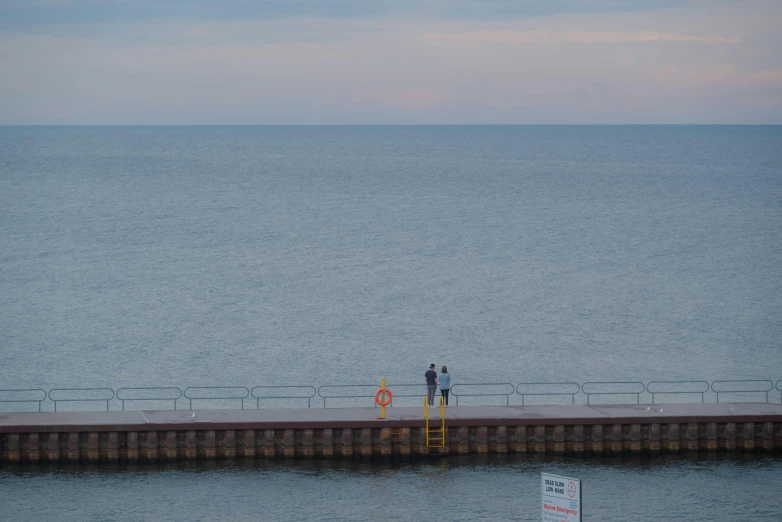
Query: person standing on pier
x: 431, y: 384
x: 445, y: 383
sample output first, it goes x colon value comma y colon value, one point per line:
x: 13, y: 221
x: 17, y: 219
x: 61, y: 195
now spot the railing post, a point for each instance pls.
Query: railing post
x: 768, y: 386
x: 563, y: 386
x: 456, y: 387
x: 23, y: 398
x: 173, y: 394
x: 628, y: 391
x: 225, y: 396
x: 78, y: 399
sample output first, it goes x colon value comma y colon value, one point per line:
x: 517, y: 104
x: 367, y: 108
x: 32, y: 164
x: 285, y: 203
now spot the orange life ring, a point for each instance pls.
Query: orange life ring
x: 387, y: 400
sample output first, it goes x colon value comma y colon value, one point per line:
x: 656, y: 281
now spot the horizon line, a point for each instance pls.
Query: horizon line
x: 388, y: 124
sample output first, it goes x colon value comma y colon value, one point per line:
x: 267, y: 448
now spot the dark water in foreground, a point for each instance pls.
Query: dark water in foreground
x: 475, y: 488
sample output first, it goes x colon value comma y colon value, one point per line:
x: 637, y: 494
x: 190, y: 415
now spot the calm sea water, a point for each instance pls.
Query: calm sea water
x: 320, y: 255
x: 463, y: 489
x: 134, y: 256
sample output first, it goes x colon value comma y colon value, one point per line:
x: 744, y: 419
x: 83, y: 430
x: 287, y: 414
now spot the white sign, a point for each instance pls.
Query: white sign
x: 560, y: 498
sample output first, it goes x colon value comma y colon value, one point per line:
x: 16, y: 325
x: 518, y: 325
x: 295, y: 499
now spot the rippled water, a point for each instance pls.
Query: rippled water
x: 474, y: 488
x: 134, y: 256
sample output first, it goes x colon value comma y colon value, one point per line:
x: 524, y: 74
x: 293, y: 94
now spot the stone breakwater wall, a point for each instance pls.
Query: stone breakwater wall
x: 389, y: 440
x: 391, y: 444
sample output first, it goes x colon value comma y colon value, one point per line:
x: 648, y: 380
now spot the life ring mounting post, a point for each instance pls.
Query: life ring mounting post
x: 383, y: 397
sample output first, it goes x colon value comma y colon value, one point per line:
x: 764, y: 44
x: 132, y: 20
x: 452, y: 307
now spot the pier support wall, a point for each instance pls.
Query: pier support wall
x: 387, y: 443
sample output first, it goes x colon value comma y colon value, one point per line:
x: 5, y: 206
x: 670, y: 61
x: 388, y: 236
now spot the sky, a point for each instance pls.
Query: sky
x: 182, y: 62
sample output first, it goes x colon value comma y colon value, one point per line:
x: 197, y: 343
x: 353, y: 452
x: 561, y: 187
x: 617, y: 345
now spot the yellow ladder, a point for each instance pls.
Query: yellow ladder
x: 435, y: 436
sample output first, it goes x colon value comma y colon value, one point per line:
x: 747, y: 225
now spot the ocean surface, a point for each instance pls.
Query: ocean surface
x: 324, y: 255
x: 219, y: 256
x: 701, y: 489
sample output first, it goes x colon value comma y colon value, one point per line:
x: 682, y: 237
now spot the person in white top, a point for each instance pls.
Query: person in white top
x: 445, y: 384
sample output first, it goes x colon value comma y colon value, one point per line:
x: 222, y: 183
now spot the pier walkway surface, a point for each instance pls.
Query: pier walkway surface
x: 349, y: 433
x: 398, y: 416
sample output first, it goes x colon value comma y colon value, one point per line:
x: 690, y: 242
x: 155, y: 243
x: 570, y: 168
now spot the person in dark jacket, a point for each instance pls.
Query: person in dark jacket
x: 431, y: 384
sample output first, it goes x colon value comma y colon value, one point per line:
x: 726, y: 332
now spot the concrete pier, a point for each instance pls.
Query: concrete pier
x: 356, y: 433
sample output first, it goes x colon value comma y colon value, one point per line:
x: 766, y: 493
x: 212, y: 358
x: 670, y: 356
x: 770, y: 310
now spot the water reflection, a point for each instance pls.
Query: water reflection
x: 442, y: 465
x: 697, y: 486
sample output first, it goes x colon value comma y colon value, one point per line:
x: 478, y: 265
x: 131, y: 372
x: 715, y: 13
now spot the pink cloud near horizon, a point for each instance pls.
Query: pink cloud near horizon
x: 530, y: 37
x: 704, y: 63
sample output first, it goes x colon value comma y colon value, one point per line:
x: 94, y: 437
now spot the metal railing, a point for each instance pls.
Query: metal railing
x: 175, y: 393
x: 566, y: 390
x: 230, y: 393
x: 261, y: 390
x: 619, y: 387
x: 23, y: 391
x: 740, y: 389
x: 779, y: 389
x: 367, y: 391
x: 78, y: 398
x: 754, y: 385
x: 479, y: 392
x: 677, y: 387
x: 407, y: 390
x: 337, y: 391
